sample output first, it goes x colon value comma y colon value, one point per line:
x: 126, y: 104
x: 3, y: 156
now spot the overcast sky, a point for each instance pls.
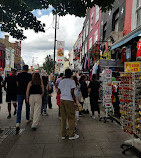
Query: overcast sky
x: 39, y: 45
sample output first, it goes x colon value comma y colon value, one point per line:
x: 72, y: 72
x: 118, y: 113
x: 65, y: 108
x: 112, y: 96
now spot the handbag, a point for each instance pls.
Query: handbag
x: 79, y: 107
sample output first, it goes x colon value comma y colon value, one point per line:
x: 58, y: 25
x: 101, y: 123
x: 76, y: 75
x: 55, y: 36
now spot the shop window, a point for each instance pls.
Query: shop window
x: 96, y: 36
x: 104, y: 30
x: 138, y: 12
x: 115, y: 21
x: 97, y: 14
x: 90, y: 43
x: 91, y: 24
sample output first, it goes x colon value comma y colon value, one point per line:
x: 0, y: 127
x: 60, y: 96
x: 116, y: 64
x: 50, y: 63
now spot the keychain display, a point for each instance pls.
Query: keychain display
x: 130, y: 104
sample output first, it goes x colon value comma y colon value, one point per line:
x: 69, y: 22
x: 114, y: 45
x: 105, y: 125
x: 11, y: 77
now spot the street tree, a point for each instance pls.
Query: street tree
x: 48, y: 65
x: 17, y: 14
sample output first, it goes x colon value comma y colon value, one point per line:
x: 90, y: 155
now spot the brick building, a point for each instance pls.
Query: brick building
x: 2, y: 56
x: 17, y: 52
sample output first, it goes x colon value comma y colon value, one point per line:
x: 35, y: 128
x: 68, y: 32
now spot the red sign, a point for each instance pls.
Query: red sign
x: 138, y: 55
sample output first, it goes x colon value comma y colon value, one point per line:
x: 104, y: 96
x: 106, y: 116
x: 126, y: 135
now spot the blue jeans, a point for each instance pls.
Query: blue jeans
x: 20, y: 99
x: 44, y: 103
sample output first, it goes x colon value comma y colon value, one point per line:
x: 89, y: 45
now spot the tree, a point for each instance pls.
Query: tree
x: 16, y: 14
x: 48, y: 65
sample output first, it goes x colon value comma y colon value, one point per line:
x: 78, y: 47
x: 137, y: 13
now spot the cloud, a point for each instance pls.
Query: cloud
x: 39, y: 45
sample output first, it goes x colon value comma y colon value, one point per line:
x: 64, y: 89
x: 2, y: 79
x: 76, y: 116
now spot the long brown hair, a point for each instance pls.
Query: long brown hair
x: 36, y: 79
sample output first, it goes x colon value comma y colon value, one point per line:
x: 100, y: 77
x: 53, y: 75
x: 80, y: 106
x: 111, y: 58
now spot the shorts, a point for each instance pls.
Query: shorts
x: 11, y: 98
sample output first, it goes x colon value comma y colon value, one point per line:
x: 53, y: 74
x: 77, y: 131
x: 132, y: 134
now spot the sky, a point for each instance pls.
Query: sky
x: 39, y: 45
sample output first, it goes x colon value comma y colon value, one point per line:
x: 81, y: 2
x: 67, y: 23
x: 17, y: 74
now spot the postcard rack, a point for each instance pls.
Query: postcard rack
x: 107, y: 94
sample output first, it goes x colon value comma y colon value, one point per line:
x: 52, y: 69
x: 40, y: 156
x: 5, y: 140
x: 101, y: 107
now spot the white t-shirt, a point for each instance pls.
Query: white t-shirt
x: 65, y: 87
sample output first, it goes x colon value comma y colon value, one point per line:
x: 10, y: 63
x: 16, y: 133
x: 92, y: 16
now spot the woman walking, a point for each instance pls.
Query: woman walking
x: 94, y: 91
x: 84, y: 92
x: 35, y: 89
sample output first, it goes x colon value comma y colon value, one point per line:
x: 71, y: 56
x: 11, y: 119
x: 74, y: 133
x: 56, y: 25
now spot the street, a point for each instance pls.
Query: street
x: 97, y: 139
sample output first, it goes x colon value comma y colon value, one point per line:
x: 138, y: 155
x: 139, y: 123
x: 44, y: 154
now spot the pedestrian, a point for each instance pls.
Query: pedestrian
x: 94, y: 92
x: 44, y: 78
x: 1, y: 79
x: 10, y: 86
x: 23, y: 79
x: 58, y: 95
x: 34, y: 94
x: 68, y: 104
x: 77, y: 99
x: 50, y: 94
x: 84, y: 92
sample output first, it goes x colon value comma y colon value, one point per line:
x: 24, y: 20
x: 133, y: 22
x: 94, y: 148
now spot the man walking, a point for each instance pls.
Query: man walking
x: 68, y: 103
x: 10, y: 86
x: 22, y: 81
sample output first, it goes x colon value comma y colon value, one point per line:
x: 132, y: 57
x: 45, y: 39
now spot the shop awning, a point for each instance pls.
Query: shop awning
x: 127, y: 38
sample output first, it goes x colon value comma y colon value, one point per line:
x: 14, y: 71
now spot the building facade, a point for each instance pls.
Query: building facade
x: 17, y: 52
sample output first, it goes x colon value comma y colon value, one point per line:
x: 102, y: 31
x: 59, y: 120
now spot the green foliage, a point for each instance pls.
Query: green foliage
x: 48, y: 65
x: 15, y: 13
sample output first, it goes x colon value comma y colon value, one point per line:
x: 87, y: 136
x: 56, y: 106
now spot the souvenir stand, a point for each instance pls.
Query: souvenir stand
x: 107, y: 93
x: 130, y: 107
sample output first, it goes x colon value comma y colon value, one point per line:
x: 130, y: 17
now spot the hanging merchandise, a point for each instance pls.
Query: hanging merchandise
x: 95, y: 68
x: 138, y: 55
x: 106, y: 46
x: 123, y: 55
x: 130, y: 106
x: 97, y: 49
x: 128, y: 52
x: 107, y: 93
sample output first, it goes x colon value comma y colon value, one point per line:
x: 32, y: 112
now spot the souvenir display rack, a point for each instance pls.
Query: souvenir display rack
x: 107, y: 93
x: 130, y: 106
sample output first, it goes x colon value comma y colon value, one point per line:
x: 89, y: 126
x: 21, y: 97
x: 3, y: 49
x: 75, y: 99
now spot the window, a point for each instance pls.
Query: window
x: 97, y: 14
x: 90, y: 43
x: 96, y: 36
x: 91, y: 24
x: 104, y: 30
x: 115, y: 24
x: 138, y: 11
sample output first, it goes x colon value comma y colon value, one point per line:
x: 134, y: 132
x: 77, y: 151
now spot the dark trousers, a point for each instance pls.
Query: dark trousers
x: 20, y: 99
x: 49, y: 102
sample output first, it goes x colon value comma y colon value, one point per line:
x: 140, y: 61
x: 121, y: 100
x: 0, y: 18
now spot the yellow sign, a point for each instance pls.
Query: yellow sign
x: 132, y: 66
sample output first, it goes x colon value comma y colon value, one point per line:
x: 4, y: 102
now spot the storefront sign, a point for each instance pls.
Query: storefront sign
x: 132, y: 66
x: 60, y: 52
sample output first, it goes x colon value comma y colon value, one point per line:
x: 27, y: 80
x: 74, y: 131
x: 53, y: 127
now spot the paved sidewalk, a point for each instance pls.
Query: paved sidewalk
x: 97, y: 139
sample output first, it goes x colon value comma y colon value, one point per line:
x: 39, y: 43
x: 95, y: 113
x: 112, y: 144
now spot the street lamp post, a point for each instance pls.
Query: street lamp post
x: 55, y: 42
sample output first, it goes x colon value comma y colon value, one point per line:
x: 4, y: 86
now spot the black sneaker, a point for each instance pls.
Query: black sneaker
x: 17, y: 130
x: 33, y: 128
x: 15, y: 112
x: 9, y: 116
x: 87, y: 111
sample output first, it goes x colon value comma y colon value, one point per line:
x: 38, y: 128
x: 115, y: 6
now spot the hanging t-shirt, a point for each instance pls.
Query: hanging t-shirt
x: 123, y: 55
x: 128, y: 52
x: 95, y: 68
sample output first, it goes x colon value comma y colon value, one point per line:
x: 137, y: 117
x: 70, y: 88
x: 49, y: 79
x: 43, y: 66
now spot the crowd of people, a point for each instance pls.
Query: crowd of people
x: 73, y: 95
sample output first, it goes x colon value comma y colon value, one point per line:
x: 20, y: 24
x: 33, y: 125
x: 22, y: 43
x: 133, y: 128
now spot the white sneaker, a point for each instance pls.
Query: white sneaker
x: 93, y: 117
x: 75, y: 137
x: 63, y: 138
